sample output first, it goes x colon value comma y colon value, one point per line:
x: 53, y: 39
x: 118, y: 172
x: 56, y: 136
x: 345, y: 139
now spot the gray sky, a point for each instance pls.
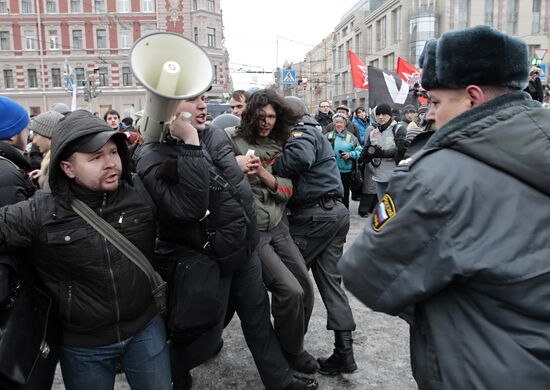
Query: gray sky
x: 253, y: 27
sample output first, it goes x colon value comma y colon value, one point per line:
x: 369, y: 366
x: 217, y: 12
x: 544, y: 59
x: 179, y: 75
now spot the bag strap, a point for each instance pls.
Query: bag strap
x: 119, y: 241
x: 217, y: 178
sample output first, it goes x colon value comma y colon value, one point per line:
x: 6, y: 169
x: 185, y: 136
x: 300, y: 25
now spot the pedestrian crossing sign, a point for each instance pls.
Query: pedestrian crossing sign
x: 289, y: 76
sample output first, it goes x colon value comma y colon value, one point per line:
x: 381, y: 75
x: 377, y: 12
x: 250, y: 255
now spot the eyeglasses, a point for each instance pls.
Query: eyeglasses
x: 324, y: 106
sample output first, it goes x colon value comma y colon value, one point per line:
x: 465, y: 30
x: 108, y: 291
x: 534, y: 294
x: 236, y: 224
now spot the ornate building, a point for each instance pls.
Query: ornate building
x: 41, y: 39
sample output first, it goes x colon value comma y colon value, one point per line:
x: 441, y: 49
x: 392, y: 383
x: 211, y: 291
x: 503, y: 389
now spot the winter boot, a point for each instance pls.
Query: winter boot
x: 302, y: 383
x: 186, y: 384
x: 341, y: 360
x: 302, y: 362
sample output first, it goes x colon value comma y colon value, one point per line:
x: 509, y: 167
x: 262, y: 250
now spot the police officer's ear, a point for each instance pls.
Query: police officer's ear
x: 476, y: 95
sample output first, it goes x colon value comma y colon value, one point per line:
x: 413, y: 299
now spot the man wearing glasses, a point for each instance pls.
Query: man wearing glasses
x: 324, y: 116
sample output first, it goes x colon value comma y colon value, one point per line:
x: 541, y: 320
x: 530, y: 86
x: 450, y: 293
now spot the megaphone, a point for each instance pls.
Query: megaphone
x: 171, y: 68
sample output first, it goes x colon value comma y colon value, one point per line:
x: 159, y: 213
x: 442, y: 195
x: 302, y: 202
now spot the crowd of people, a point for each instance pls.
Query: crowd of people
x: 230, y: 208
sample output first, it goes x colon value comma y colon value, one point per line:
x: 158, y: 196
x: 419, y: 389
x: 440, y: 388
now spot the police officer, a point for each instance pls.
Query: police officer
x: 319, y: 223
x: 459, y: 243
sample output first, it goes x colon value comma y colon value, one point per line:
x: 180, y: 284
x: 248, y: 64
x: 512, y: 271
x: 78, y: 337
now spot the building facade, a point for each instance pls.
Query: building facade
x: 380, y: 32
x: 42, y: 41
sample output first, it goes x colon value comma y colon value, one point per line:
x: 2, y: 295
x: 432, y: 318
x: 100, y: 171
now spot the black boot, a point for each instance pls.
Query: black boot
x: 302, y: 362
x: 301, y: 383
x: 341, y: 360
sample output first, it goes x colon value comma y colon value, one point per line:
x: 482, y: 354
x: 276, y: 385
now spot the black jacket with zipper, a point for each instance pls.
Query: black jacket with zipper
x: 102, y: 297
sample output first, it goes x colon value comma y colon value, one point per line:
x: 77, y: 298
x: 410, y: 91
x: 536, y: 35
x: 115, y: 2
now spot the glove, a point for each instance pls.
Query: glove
x: 4, y: 284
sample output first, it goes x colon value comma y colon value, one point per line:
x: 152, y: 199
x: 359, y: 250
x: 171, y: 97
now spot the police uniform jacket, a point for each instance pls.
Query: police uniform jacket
x: 461, y: 240
x: 308, y: 159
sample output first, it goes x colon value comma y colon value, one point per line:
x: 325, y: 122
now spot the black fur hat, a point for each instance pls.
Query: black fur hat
x: 478, y: 55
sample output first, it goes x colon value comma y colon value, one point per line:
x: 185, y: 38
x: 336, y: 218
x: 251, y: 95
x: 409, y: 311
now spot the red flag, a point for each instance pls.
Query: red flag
x: 410, y: 74
x: 359, y: 72
x: 407, y: 72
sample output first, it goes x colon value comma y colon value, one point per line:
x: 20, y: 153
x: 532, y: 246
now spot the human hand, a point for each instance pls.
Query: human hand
x: 253, y: 165
x: 182, y: 129
x: 344, y: 155
x: 35, y: 175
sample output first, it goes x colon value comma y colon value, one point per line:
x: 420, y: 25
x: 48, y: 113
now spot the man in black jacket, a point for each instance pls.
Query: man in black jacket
x: 177, y: 175
x: 103, y: 299
x: 30, y: 334
x: 324, y: 116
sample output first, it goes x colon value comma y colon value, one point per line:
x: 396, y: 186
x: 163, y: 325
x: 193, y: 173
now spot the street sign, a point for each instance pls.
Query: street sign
x: 540, y: 53
x: 289, y: 76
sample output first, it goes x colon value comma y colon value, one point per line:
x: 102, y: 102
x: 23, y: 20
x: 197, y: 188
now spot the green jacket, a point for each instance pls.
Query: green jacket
x: 270, y: 205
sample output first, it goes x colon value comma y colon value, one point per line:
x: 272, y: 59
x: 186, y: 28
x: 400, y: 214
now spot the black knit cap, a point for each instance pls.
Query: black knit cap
x: 383, y: 109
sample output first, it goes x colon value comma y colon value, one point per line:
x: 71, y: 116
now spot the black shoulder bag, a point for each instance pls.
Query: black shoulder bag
x: 158, y: 285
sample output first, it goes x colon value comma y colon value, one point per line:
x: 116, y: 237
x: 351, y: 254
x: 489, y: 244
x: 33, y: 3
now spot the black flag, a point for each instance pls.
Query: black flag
x: 387, y: 87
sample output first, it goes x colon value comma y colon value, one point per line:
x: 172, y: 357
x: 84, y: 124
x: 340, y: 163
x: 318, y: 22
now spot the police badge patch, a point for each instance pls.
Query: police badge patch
x: 383, y: 213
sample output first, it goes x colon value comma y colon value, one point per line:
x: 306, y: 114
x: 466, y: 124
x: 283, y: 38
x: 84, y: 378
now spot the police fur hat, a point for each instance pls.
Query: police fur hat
x: 478, y: 55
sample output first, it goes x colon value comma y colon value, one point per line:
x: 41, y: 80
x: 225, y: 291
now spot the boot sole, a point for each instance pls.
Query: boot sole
x: 338, y: 371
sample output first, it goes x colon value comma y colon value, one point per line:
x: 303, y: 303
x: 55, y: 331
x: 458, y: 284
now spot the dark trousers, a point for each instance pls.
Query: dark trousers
x: 287, y: 278
x: 367, y: 203
x: 320, y: 234
x: 249, y: 297
x: 345, y: 177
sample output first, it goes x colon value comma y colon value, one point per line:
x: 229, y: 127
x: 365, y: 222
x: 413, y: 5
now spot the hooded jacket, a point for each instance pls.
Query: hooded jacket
x: 101, y: 296
x: 462, y: 239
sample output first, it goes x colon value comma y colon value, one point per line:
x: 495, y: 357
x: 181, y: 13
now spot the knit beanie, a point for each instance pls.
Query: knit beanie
x: 13, y: 118
x: 340, y: 116
x: 383, y: 109
x: 45, y: 123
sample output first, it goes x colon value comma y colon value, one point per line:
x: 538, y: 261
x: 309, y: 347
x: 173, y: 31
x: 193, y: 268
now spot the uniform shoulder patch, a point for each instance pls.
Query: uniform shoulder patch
x: 383, y: 212
x: 297, y: 133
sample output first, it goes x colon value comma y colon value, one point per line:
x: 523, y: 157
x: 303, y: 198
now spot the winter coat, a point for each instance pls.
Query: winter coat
x: 183, y: 199
x: 270, y: 204
x: 102, y: 297
x: 308, y: 159
x: 362, y: 126
x: 324, y: 119
x: 14, y: 185
x: 345, y: 142
x: 461, y: 241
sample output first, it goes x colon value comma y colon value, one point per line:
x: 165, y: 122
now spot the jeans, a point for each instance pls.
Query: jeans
x: 144, y: 358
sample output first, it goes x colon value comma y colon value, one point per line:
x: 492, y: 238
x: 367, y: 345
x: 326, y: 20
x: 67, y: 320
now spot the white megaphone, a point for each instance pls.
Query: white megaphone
x: 171, y: 68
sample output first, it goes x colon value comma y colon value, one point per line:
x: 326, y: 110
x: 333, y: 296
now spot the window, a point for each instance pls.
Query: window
x: 344, y: 31
x: 211, y: 5
x: 489, y: 15
x: 337, y: 84
x: 8, y: 78
x: 76, y: 6
x: 5, y: 41
x: 4, y: 9
x: 26, y: 7
x: 344, y: 82
x: 215, y: 75
x: 196, y: 34
x: 30, y: 40
x: 51, y: 6
x: 125, y: 39
x: 396, y: 25
x: 211, y: 34
x: 463, y: 13
x: 56, y: 77
x: 101, y: 38
x: 146, y: 5
x: 33, y: 79
x: 512, y: 17
x: 77, y: 39
x: 147, y: 31
x: 99, y: 6
x: 535, y: 25
x: 103, y: 74
x: 368, y: 43
x: 80, y: 77
x: 53, y: 40
x: 127, y: 80
x: 194, y: 5
x: 381, y: 33
x: 358, y: 44
x: 123, y: 6
x: 348, y: 48
x: 340, y: 56
x: 389, y: 62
